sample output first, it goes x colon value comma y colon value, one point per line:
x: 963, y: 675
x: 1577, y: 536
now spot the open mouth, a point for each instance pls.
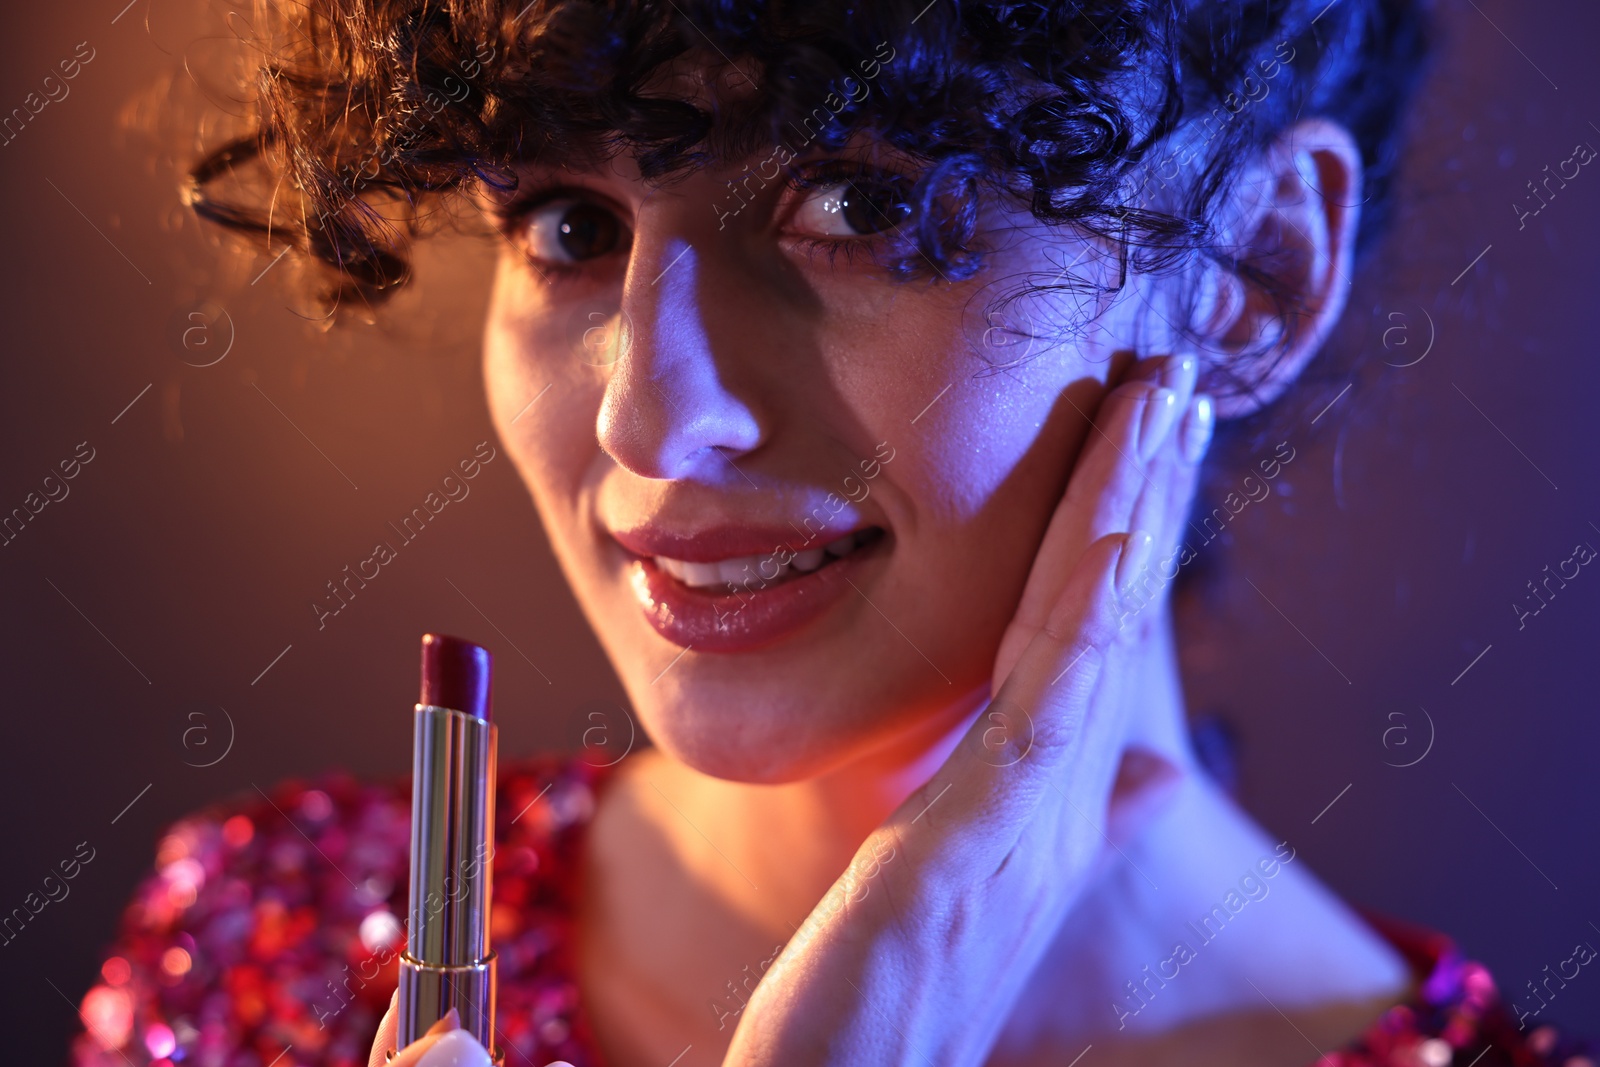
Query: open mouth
x: 768, y: 569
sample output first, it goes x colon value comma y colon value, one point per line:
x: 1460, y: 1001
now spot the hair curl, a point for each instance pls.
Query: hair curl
x: 367, y: 110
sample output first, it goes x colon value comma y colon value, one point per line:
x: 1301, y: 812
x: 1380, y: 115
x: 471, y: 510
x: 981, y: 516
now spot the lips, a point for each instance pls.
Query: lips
x: 737, y: 589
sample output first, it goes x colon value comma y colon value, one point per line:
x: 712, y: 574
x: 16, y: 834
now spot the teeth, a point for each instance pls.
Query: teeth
x: 738, y: 570
x: 746, y: 572
x: 809, y: 560
x: 701, y: 574
x: 842, y: 546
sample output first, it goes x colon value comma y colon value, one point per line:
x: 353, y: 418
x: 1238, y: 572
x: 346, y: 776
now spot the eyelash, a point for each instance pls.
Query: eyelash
x: 818, y: 176
x: 514, y: 215
x: 833, y: 171
x: 833, y: 247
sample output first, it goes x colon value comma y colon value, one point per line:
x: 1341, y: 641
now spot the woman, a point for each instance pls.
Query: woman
x: 883, y: 343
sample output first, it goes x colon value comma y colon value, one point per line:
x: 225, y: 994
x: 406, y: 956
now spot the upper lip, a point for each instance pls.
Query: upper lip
x: 714, y: 543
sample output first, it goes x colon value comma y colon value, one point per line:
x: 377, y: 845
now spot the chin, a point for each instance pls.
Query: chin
x: 757, y: 728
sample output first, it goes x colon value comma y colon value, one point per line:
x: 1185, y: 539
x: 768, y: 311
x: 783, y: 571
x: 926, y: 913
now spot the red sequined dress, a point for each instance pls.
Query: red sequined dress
x: 269, y: 932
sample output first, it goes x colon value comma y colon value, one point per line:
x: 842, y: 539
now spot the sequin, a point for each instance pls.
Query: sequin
x: 269, y: 934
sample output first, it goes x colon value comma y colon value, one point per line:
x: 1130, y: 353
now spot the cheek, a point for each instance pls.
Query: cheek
x: 986, y: 399
x: 542, y: 398
x: 981, y: 460
x: 986, y: 477
x: 987, y: 450
x: 980, y: 437
x: 543, y: 405
x: 914, y: 378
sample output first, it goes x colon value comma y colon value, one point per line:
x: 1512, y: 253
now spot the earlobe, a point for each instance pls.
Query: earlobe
x: 1292, y: 224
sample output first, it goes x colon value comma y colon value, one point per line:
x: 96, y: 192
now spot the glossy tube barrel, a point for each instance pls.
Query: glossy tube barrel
x: 447, y: 963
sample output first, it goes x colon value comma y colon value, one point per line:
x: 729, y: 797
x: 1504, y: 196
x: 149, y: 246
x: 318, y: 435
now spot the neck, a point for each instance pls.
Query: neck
x: 785, y: 844
x: 763, y: 855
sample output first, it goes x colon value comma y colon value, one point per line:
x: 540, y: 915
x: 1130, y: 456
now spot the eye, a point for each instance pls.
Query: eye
x: 859, y: 207
x: 566, y: 230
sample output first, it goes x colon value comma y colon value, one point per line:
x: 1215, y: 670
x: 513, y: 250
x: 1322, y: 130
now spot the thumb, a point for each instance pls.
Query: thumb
x: 388, y: 1033
x: 444, y: 1045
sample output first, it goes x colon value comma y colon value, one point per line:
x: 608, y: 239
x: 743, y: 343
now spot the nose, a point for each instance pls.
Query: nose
x: 668, y: 411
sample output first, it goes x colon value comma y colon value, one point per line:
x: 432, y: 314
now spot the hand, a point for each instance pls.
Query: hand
x: 917, y: 954
x: 444, y: 1045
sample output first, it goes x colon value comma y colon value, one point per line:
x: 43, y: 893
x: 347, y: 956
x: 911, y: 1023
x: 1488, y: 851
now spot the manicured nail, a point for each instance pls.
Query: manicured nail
x: 1180, y: 374
x: 450, y: 1020
x: 1178, y: 370
x: 1135, y: 556
x: 1159, y: 412
x: 1195, y: 433
x: 455, y: 1049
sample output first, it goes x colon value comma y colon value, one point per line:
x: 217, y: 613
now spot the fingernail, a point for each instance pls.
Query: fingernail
x: 1195, y: 433
x: 455, y: 1049
x: 1180, y: 374
x: 450, y: 1020
x: 1159, y: 411
x: 1135, y: 556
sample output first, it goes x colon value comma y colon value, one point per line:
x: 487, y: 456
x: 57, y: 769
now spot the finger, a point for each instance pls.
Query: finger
x: 457, y: 1048
x: 445, y: 1044
x: 1044, y: 706
x: 1140, y: 782
x: 1106, y: 479
x: 1174, y: 475
x: 1164, y: 509
x: 1106, y: 485
x: 1092, y: 490
x: 1114, y: 472
x: 388, y: 1030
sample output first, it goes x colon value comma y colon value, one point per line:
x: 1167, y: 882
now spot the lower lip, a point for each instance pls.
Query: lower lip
x: 750, y: 619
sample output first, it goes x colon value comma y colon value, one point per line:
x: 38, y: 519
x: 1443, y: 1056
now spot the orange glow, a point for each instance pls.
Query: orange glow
x: 173, y: 848
x: 175, y: 961
x: 107, y: 1015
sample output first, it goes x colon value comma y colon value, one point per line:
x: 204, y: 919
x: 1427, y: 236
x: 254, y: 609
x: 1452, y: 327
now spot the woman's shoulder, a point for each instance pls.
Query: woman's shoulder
x: 274, y: 921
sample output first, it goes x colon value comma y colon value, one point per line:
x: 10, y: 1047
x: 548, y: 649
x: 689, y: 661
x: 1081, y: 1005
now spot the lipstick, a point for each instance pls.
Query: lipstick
x: 447, y: 963
x: 746, y: 615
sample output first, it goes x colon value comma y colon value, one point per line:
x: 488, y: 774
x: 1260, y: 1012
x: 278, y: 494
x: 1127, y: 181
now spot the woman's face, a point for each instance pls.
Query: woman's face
x: 698, y: 398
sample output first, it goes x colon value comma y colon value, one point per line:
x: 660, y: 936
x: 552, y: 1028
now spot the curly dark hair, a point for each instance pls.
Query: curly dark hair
x: 369, y: 109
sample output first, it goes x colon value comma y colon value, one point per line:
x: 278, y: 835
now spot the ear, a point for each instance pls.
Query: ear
x: 1290, y: 223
